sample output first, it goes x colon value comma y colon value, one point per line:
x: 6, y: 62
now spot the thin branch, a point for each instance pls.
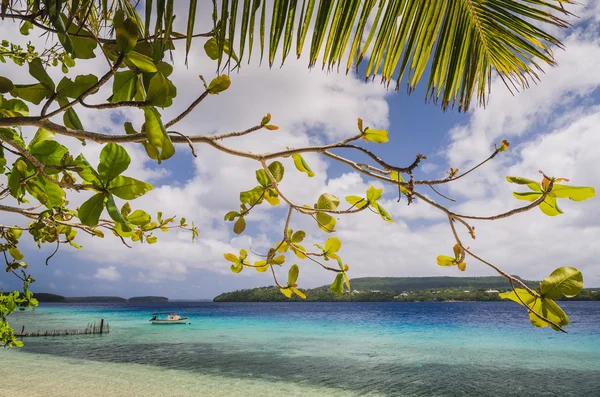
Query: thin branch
x: 446, y: 180
x: 188, y: 110
x: 440, y: 194
x: 103, y: 80
x: 191, y: 145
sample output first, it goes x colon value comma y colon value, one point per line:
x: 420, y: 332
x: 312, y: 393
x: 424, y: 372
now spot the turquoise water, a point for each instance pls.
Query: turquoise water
x: 378, y: 349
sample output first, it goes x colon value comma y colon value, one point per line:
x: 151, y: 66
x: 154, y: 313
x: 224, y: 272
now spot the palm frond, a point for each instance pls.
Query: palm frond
x: 459, y: 43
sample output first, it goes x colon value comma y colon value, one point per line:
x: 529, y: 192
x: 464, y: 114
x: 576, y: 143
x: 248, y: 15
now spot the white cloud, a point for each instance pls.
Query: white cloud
x: 108, y: 273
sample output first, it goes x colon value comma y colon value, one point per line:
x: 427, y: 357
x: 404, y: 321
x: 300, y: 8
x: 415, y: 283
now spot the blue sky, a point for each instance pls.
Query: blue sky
x: 553, y: 126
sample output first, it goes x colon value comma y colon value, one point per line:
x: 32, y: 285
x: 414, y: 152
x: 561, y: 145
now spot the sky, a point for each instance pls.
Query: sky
x: 553, y: 126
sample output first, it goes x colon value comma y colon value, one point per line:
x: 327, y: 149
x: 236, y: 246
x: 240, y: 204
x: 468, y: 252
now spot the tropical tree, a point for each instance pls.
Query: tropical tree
x: 458, y: 43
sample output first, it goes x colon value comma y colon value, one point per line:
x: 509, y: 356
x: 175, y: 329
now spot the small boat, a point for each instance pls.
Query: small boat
x: 168, y: 318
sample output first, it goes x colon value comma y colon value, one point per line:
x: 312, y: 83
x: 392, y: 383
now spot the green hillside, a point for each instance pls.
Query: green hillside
x: 425, y: 283
x: 396, y: 289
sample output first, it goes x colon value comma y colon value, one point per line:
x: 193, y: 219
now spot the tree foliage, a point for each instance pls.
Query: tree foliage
x: 461, y: 42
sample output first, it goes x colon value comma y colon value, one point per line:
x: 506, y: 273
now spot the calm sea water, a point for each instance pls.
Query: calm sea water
x: 320, y: 349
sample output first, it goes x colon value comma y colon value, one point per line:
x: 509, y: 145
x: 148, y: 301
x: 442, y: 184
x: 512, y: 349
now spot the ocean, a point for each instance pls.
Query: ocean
x: 306, y: 349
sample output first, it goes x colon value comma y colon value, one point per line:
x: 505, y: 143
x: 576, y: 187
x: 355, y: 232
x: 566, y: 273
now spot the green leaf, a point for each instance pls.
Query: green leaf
x: 127, y: 35
x: 49, y: 153
x: 74, y: 89
x: 293, y: 275
x: 53, y: 194
x: 13, y: 108
x: 262, y: 178
x: 261, y: 266
x: 382, y: 212
x: 5, y: 85
x: 575, y: 193
x: 237, y: 267
x: 71, y: 120
x: 527, y: 196
x: 115, y: 214
x: 298, y: 236
x: 548, y: 309
x: 86, y: 172
x: 25, y: 28
x: 139, y: 218
x: 124, y: 84
x: 34, y: 93
x: 278, y: 260
x: 377, y: 136
x: 277, y: 170
x: 15, y: 253
x: 239, y: 226
x: 41, y: 135
x: 114, y: 159
x: 211, y: 47
x: 337, y: 286
x: 533, y: 185
x: 157, y: 135
x: 332, y: 245
x: 550, y: 207
x: 567, y: 281
x: 127, y: 188
x: 521, y: 293
x: 444, y: 260
x: 79, y: 42
x: 252, y: 197
x: 36, y: 69
x: 326, y: 222
x: 141, y: 62
x: 301, y: 164
x: 231, y: 215
x: 272, y: 196
x: 219, y: 84
x: 328, y: 202
x: 373, y: 194
x: 161, y: 91
x: 90, y: 211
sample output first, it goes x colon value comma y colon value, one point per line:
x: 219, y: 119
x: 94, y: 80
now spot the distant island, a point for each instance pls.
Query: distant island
x: 46, y: 297
x: 397, y: 289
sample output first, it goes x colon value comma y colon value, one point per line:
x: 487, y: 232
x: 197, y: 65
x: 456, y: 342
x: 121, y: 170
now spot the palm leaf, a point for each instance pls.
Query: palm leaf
x: 459, y: 43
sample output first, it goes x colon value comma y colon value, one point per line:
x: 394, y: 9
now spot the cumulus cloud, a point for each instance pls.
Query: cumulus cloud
x: 109, y: 273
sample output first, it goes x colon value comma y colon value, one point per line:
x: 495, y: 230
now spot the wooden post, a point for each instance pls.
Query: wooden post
x: 101, y: 326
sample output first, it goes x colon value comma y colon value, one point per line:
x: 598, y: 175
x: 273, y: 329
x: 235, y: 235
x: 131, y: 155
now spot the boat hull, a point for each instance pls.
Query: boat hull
x: 165, y: 322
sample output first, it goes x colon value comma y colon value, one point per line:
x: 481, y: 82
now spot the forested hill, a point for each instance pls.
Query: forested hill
x: 397, y: 289
x: 426, y: 283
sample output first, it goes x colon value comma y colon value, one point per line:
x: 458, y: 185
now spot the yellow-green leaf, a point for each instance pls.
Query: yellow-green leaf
x: 219, y: 84
x: 261, y: 266
x: 575, y: 193
x: 377, y: 136
x: 286, y: 291
x: 293, y: 275
x: 567, y: 281
x: 298, y: 292
x: 301, y: 164
x: 444, y: 260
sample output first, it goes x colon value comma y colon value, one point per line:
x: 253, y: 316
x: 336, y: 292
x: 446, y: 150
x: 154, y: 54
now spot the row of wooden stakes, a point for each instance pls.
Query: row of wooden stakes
x: 90, y: 329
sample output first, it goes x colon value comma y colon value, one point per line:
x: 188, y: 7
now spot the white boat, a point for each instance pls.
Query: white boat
x: 168, y: 318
